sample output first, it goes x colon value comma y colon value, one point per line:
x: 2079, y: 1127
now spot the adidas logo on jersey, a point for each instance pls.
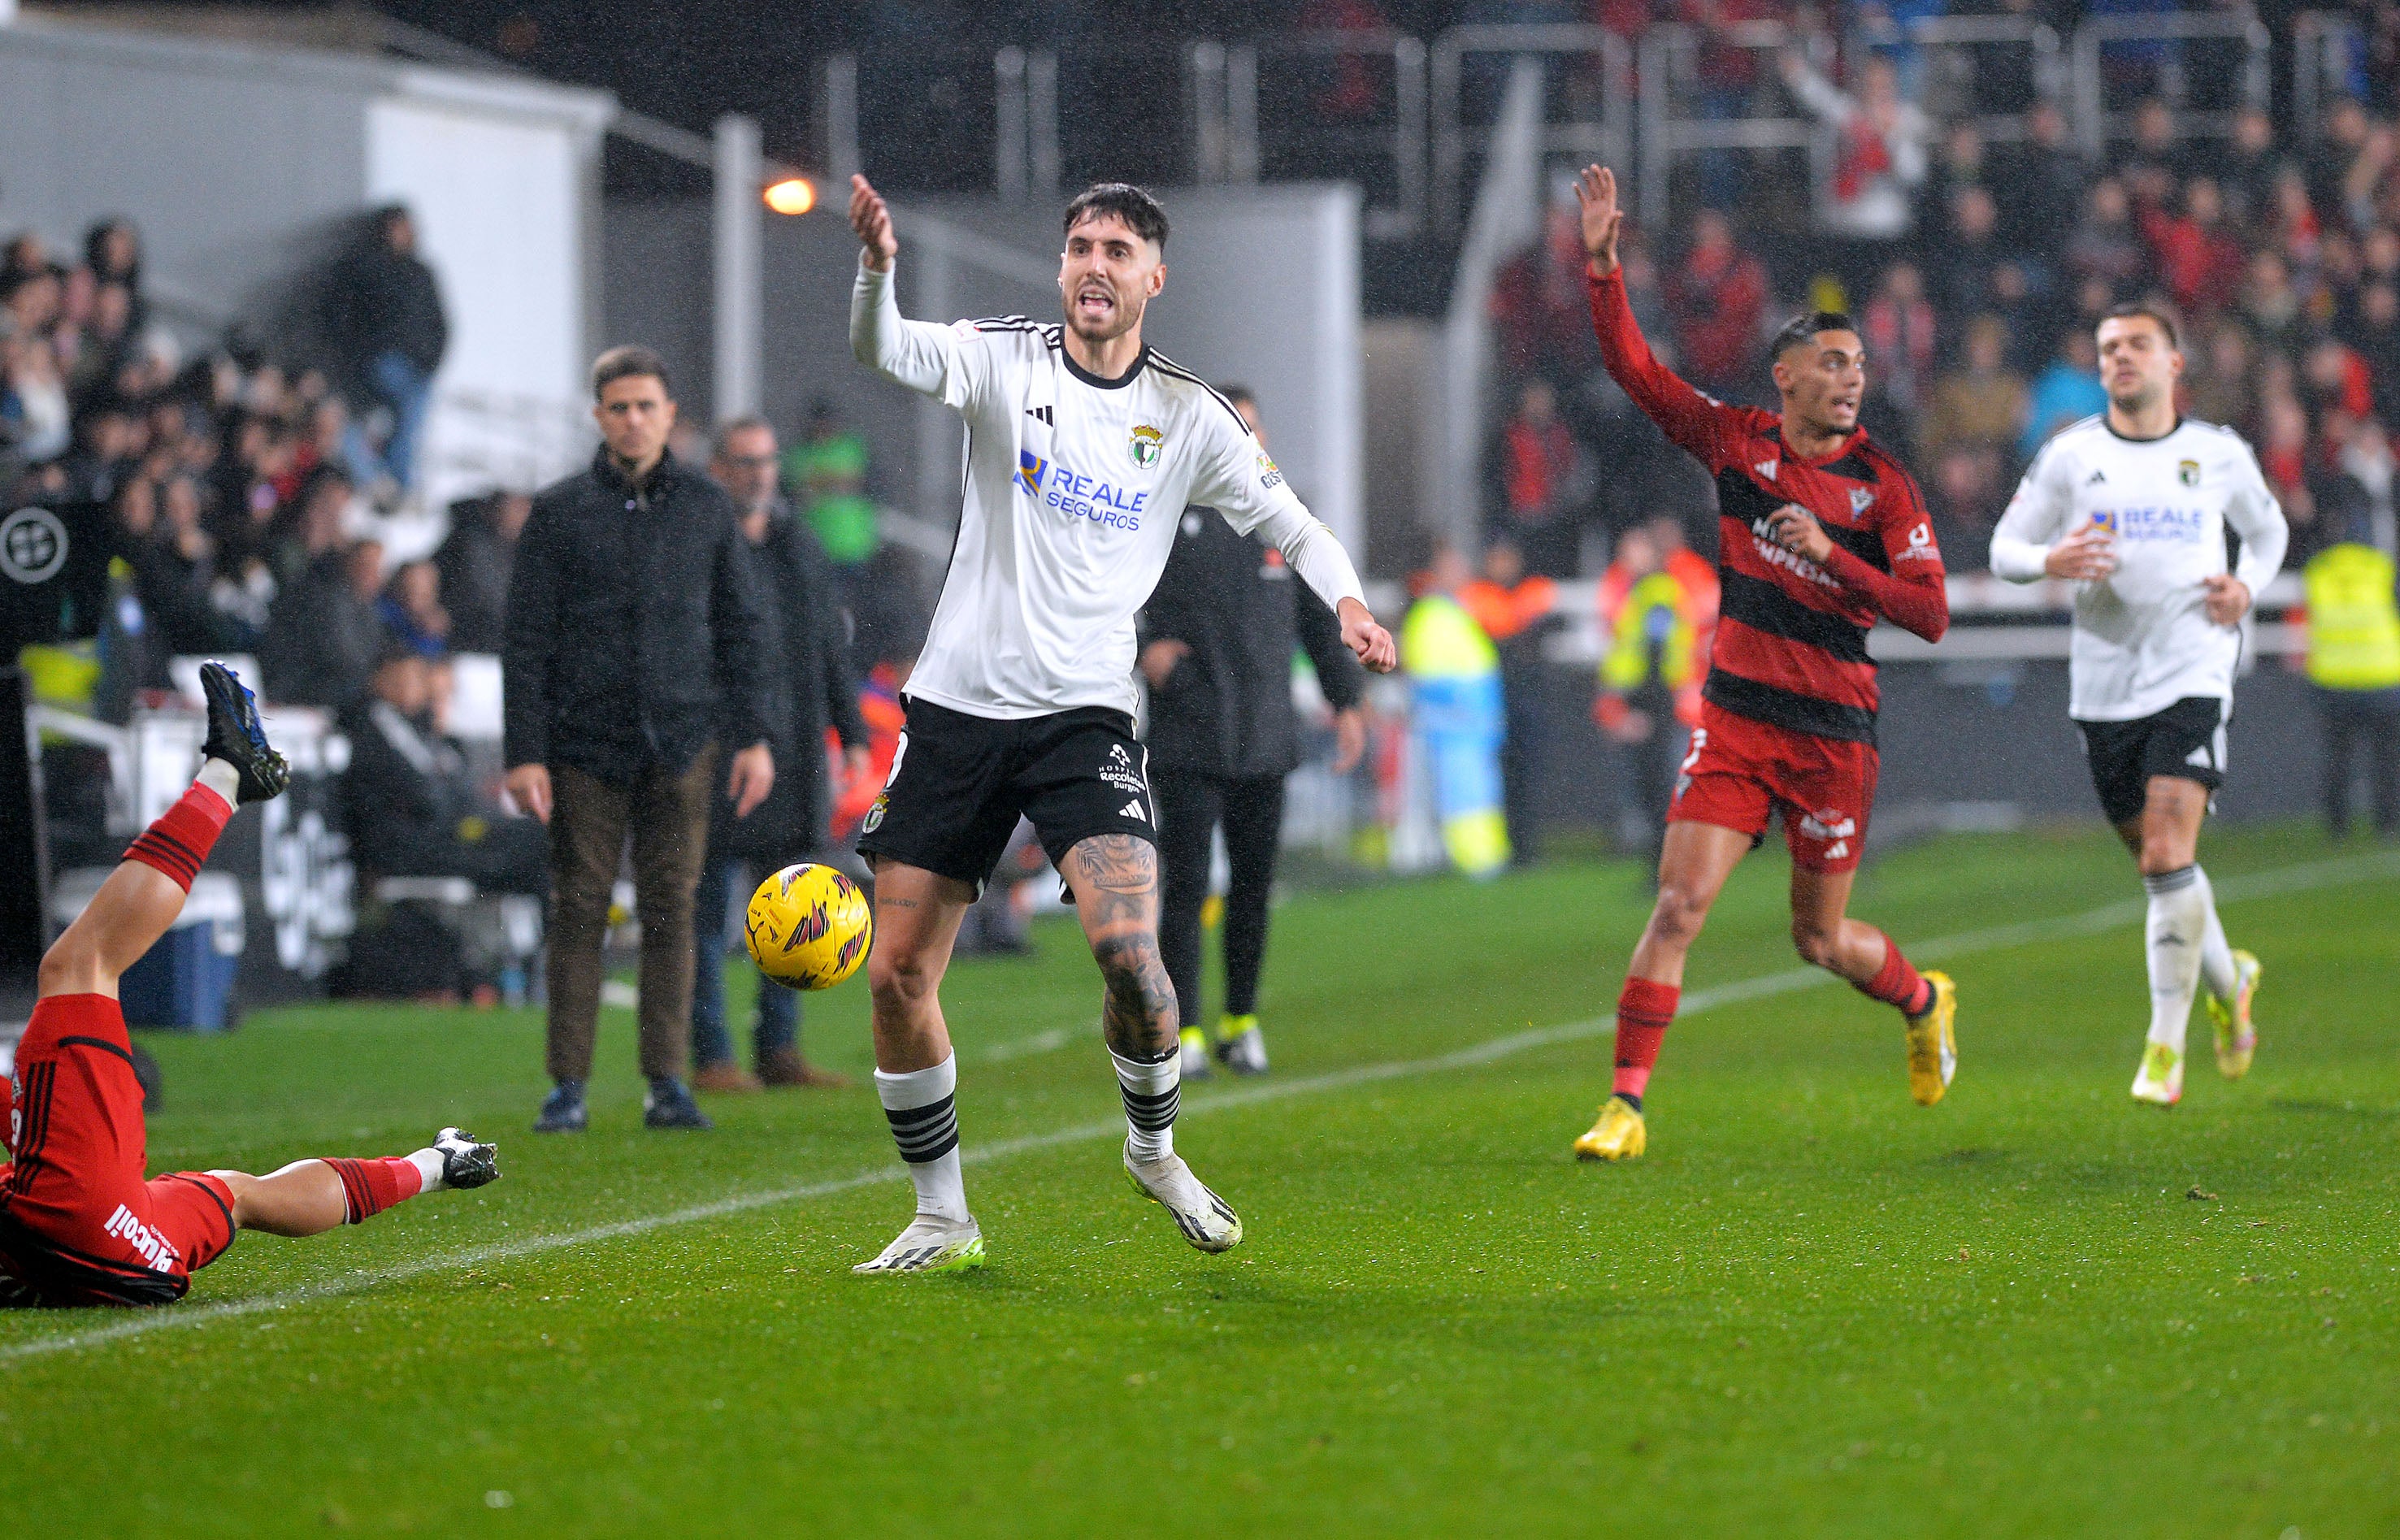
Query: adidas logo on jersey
x: 1767, y: 468
x: 2098, y: 478
x: 1133, y: 810
x: 1041, y: 415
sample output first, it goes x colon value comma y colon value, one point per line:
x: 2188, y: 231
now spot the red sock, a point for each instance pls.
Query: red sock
x: 1899, y: 984
x: 1643, y: 1009
x: 179, y: 843
x: 371, y: 1186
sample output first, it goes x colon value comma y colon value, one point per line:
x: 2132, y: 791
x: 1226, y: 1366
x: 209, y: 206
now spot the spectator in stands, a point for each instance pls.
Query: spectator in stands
x: 2153, y: 163
x: 804, y: 637
x: 1974, y: 272
x: 1538, y: 305
x: 2196, y: 255
x: 1901, y: 334
x: 2068, y: 390
x: 1880, y: 160
x: 394, y: 331
x: 1541, y: 482
x: 1980, y: 406
x: 632, y: 674
x: 411, y: 609
x: 2247, y: 168
x: 2375, y: 332
x: 2040, y: 182
x: 2219, y: 381
x: 1716, y: 296
x: 2271, y: 308
x: 324, y: 633
x: 409, y: 804
x: 475, y: 563
x: 2105, y: 247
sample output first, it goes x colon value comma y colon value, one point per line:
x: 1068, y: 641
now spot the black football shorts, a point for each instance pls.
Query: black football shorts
x: 2185, y: 740
x: 960, y: 783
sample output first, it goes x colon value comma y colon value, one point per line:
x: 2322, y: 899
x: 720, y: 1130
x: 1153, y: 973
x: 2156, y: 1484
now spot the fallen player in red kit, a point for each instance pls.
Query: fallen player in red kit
x: 79, y: 1224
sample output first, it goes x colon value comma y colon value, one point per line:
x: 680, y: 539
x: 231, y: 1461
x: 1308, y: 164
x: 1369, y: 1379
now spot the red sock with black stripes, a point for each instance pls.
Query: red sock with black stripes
x: 179, y: 843
x: 1643, y: 1010
x: 371, y: 1186
x: 1898, y: 983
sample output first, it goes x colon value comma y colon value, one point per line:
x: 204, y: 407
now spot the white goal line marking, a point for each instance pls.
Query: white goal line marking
x: 2267, y: 884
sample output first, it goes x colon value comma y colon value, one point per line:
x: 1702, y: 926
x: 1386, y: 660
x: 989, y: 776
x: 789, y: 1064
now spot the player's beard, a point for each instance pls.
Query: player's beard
x: 1124, y: 315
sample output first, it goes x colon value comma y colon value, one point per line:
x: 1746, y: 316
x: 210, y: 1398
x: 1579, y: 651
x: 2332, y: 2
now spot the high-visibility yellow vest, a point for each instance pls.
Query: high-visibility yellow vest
x: 2353, y: 618
x: 1440, y: 640
x: 1626, y: 663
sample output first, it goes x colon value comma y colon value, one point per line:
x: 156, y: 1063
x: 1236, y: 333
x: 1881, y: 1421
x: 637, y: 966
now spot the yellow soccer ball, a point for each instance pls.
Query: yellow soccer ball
x: 808, y: 927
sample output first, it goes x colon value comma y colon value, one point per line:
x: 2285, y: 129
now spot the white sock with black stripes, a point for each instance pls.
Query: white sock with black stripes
x: 2216, y: 954
x: 923, y: 1107
x: 2179, y: 916
x: 1152, y: 1094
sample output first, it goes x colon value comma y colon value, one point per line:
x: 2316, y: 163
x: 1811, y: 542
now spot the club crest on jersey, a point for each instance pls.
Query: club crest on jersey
x: 2188, y: 472
x: 1861, y: 500
x: 1030, y: 468
x: 1147, y: 441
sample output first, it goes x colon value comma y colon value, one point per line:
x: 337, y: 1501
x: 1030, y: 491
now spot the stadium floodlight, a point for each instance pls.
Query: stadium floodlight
x: 793, y: 195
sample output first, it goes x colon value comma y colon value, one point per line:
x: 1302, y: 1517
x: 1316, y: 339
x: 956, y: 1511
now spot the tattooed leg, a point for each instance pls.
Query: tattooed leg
x: 1114, y: 877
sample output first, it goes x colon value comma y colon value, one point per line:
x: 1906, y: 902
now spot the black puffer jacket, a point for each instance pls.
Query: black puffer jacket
x: 806, y: 642
x: 633, y: 627
x: 1226, y: 707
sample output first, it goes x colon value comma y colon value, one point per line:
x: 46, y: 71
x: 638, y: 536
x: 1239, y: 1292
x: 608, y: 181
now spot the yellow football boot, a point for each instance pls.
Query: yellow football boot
x: 2160, y: 1080
x: 2237, y: 1038
x: 1619, y: 1135
x: 1933, y: 1043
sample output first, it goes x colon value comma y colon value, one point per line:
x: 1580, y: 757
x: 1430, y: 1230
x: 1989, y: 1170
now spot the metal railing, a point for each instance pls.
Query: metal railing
x: 2096, y: 123
x: 1609, y: 137
x: 2325, y: 45
x: 1237, y: 89
x: 1025, y: 150
x: 1951, y: 45
x: 1671, y: 66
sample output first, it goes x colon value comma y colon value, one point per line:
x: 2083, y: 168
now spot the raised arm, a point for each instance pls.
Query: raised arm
x: 1682, y: 413
x: 941, y: 361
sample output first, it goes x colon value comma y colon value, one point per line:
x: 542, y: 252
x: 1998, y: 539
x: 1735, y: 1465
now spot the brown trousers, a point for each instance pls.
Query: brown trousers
x: 668, y: 818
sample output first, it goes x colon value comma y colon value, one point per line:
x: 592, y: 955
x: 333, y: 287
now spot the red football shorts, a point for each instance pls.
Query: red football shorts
x: 1739, y: 770
x: 79, y: 1224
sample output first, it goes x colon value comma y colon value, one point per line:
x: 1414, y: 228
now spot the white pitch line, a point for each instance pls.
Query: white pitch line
x: 2267, y: 884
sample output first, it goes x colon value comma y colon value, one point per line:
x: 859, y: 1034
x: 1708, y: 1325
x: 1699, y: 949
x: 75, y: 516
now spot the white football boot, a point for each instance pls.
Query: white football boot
x: 1203, y: 1217
x: 931, y: 1244
x: 1241, y: 1047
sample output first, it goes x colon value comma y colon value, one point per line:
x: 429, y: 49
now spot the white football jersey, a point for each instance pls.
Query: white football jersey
x: 2143, y: 639
x: 1073, y: 488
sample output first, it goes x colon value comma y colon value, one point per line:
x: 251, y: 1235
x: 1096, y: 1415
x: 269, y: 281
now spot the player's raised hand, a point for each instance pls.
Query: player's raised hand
x: 2088, y: 554
x: 1596, y: 190
x: 1362, y: 635
x: 871, y: 217
x: 2228, y: 600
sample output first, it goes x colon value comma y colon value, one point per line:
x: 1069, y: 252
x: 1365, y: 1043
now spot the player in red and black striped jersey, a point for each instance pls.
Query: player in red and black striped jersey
x: 1821, y: 535
x: 79, y: 1224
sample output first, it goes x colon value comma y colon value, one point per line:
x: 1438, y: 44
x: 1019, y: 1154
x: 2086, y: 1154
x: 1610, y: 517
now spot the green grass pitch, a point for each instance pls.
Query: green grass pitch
x: 1814, y: 1309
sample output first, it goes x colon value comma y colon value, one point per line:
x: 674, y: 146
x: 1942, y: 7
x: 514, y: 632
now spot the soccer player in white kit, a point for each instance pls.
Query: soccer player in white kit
x: 2133, y: 506
x: 1084, y: 447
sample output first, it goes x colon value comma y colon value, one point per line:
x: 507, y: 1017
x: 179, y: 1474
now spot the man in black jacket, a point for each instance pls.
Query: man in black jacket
x: 1218, y: 640
x: 630, y: 660
x: 804, y: 643
x: 389, y: 318
x: 407, y: 800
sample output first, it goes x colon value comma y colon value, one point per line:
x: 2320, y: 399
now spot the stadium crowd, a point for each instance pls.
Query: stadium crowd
x: 1977, y: 276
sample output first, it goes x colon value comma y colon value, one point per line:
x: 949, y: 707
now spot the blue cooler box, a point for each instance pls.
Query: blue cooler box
x: 187, y: 979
